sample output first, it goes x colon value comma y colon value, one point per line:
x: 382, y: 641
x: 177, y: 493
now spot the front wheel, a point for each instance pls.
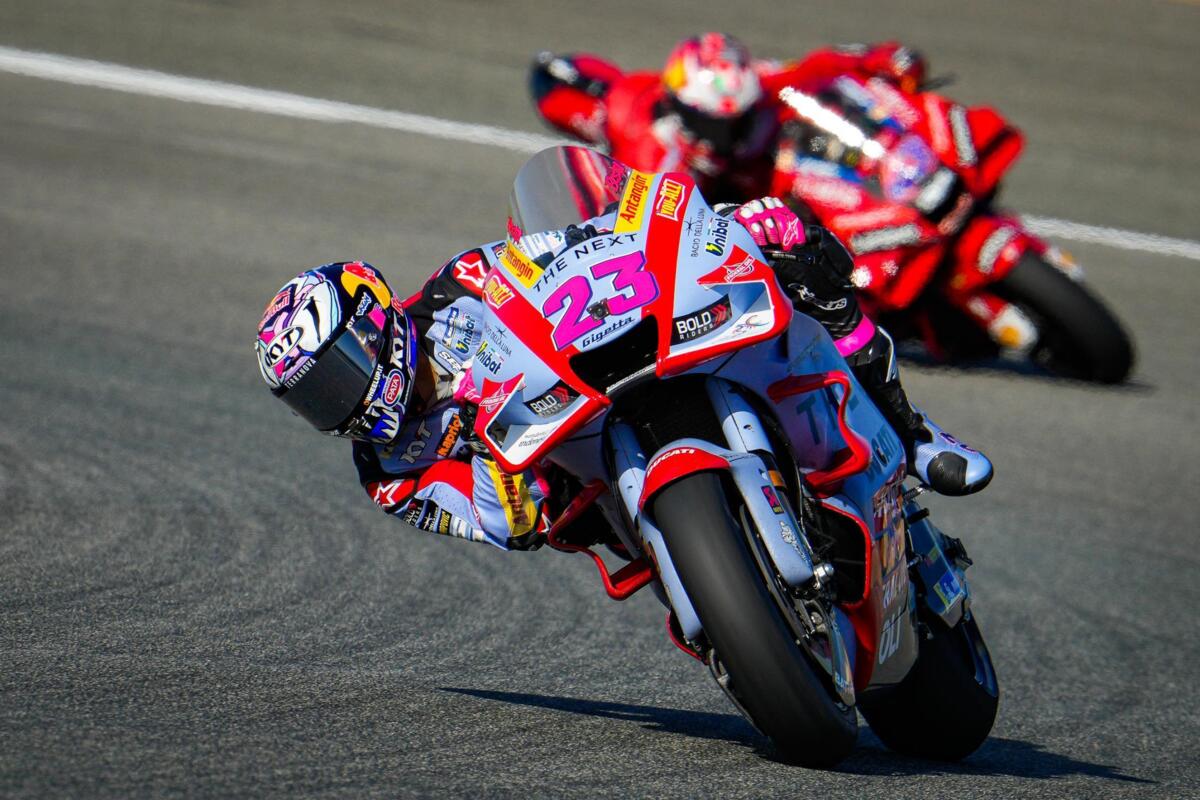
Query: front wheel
x: 1077, y: 335
x: 770, y: 676
x: 945, y: 707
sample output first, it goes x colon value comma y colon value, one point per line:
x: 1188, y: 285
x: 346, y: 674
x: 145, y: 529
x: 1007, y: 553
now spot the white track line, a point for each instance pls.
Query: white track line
x: 1114, y: 237
x: 83, y: 72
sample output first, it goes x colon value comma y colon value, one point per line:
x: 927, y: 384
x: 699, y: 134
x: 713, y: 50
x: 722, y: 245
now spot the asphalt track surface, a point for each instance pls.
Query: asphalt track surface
x: 195, y: 597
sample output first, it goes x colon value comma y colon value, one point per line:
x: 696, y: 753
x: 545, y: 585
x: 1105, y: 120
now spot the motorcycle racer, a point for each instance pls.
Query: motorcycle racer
x: 343, y: 352
x: 713, y: 112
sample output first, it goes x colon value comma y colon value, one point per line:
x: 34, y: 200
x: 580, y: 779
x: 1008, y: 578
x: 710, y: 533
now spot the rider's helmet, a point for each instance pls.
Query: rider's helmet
x: 335, y: 345
x: 711, y: 84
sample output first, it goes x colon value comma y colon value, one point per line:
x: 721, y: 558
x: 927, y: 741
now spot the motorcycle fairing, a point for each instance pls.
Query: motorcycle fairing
x: 708, y: 298
x: 901, y: 215
x: 527, y: 363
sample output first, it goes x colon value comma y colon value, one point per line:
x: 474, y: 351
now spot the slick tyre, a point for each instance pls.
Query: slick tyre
x: 1078, y: 336
x: 771, y: 676
x: 944, y: 709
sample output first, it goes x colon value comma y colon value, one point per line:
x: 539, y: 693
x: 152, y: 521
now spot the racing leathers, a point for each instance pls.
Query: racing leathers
x: 429, y: 475
x: 591, y: 99
x: 433, y: 477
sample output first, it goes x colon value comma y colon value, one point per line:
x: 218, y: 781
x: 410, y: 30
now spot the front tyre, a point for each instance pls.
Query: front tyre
x: 771, y: 677
x: 1077, y: 335
x: 945, y: 707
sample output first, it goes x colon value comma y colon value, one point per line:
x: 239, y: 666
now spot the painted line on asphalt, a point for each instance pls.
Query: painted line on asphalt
x: 150, y: 83
x: 1113, y: 237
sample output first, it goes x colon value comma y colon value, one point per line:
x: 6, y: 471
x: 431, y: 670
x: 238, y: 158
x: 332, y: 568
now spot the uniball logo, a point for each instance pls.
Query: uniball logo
x: 720, y: 235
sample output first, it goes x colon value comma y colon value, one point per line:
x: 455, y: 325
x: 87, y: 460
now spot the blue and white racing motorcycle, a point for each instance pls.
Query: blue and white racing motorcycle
x: 641, y: 344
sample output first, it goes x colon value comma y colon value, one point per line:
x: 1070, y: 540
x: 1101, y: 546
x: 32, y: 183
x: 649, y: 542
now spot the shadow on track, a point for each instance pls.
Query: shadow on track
x: 699, y: 724
x: 996, y: 757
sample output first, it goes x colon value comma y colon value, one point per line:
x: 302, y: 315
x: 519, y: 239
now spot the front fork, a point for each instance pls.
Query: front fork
x: 781, y: 546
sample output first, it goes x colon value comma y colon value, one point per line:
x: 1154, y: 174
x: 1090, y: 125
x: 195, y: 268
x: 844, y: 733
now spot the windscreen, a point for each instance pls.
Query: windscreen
x: 563, y: 186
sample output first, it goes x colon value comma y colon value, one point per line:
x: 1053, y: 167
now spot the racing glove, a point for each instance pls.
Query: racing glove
x: 771, y: 223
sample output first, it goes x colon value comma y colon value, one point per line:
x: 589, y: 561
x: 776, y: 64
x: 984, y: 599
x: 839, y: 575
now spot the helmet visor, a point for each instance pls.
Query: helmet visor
x: 334, y: 386
x: 723, y: 134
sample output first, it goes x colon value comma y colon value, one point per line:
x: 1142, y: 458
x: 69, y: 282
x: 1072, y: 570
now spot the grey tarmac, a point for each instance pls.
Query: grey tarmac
x: 196, y: 599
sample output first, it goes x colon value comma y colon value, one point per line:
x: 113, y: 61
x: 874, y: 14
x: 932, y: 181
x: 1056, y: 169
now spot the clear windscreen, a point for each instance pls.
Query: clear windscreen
x: 562, y: 186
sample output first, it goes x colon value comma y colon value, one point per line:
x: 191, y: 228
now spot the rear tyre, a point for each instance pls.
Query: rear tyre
x: 944, y: 709
x: 1078, y: 336
x: 772, y: 679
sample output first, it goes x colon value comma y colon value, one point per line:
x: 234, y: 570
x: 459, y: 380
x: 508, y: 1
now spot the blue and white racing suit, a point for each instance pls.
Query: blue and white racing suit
x: 428, y: 476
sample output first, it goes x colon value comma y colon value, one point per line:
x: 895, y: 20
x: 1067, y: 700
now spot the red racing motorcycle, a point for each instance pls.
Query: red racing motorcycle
x: 908, y: 181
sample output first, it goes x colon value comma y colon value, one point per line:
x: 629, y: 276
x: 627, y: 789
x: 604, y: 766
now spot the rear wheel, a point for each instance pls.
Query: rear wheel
x: 944, y: 709
x: 770, y: 676
x: 1077, y: 335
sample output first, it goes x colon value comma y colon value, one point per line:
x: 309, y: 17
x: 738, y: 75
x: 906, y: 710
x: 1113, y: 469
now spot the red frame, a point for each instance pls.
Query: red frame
x: 619, y: 585
x: 857, y: 454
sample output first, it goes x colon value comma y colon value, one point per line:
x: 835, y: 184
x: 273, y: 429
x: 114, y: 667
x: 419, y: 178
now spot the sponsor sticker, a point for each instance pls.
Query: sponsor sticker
x: 471, y: 269
x: 520, y: 267
x: 719, y: 235
x: 670, y: 199
x: 450, y: 437
x: 552, y: 402
x: 356, y: 274
x: 282, y: 345
x: 773, y: 499
x: 393, y: 388
x: 278, y: 303
x: 514, y: 230
x: 674, y: 451
x: 695, y: 325
x: 633, y: 203
x: 488, y: 359
x: 739, y: 269
x: 496, y: 293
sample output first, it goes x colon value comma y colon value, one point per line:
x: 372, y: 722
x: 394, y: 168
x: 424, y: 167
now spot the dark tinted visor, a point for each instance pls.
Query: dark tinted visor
x: 334, y: 386
x: 722, y: 133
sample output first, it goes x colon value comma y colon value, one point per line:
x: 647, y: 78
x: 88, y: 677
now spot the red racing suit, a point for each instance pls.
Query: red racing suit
x: 591, y: 99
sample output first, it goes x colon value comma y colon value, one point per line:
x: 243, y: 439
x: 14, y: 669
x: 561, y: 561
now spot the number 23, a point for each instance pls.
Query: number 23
x: 575, y: 295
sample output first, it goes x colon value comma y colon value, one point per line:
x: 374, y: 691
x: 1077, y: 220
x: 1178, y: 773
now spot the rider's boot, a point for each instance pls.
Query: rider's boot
x: 934, y: 456
x: 816, y: 274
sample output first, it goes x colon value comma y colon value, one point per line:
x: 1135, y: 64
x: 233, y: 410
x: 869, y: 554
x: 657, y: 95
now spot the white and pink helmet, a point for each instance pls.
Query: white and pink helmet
x: 336, y: 346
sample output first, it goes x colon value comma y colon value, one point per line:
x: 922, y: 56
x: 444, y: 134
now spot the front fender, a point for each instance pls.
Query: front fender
x: 778, y: 528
